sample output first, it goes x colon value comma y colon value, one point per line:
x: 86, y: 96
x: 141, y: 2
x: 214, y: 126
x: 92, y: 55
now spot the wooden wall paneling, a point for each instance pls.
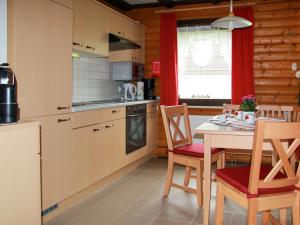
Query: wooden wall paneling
x: 276, y: 46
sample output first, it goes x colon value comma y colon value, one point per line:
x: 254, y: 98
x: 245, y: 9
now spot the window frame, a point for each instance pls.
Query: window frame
x: 200, y: 102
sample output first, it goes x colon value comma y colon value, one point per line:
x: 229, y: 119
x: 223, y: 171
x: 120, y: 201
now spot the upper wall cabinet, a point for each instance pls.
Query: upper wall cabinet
x: 40, y: 48
x: 89, y: 34
x: 122, y: 26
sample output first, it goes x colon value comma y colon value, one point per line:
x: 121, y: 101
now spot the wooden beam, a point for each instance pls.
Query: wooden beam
x: 167, y: 3
x: 121, y: 4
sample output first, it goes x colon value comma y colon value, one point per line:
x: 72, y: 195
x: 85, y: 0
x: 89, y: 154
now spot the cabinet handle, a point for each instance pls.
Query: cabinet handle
x: 89, y: 47
x: 63, y: 120
x: 109, y: 126
x: 97, y: 129
x: 115, y: 111
x: 63, y: 107
x: 77, y: 44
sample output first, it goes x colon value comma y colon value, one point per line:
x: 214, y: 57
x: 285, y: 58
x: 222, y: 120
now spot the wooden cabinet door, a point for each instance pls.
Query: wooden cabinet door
x: 57, y: 159
x: 105, y: 154
x: 84, y: 141
x: 124, y: 56
x: 89, y: 32
x: 20, y: 190
x: 40, y: 34
x: 151, y: 131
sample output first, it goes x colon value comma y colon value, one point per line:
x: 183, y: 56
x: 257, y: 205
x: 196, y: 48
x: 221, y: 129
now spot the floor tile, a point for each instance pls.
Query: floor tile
x: 137, y: 199
x: 129, y: 219
x: 167, y: 222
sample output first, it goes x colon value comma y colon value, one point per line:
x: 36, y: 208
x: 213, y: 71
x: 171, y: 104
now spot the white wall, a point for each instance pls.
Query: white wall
x: 3, y: 31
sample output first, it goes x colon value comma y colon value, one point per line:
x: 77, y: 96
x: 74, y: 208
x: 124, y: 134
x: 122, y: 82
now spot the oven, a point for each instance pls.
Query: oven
x: 135, y: 127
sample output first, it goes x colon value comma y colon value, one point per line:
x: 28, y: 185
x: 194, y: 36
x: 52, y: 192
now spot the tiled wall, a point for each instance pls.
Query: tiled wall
x: 92, y: 80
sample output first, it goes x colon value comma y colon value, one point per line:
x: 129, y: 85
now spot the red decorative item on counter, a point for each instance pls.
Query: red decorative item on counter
x: 156, y: 68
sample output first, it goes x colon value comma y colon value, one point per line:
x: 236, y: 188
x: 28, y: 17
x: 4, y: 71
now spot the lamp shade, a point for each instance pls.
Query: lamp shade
x: 231, y: 22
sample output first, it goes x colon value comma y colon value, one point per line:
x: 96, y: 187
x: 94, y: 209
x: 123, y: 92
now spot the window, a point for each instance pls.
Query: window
x: 204, y: 65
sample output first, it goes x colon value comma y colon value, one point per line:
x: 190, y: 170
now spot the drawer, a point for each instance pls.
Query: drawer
x: 86, y: 118
x: 152, y: 107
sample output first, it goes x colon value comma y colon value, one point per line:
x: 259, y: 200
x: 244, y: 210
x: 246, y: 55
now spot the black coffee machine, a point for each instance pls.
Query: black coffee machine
x: 149, y: 89
x: 8, y: 98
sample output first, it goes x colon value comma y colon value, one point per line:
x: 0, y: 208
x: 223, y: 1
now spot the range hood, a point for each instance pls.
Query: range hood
x: 117, y: 43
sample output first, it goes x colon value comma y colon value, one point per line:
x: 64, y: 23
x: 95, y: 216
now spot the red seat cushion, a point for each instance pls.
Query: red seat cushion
x: 195, y: 150
x: 238, y: 177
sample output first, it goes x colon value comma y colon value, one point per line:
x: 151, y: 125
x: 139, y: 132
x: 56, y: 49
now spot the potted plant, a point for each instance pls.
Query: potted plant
x: 248, y: 105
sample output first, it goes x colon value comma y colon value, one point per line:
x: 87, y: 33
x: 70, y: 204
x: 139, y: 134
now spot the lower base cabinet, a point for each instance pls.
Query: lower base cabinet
x: 97, y: 149
x: 58, y: 181
x: 20, y: 190
x: 151, y: 131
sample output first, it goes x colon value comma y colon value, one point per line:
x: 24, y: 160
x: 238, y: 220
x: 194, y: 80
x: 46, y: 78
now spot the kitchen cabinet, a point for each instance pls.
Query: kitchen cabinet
x: 133, y: 55
x: 83, y: 144
x: 89, y: 27
x: 97, y: 150
x: 123, y: 26
x: 58, y: 178
x: 152, y: 109
x: 151, y: 131
x: 132, y: 31
x: 20, y: 191
x: 40, y: 55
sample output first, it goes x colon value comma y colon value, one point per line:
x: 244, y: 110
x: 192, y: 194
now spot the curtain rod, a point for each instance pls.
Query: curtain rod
x: 204, y: 7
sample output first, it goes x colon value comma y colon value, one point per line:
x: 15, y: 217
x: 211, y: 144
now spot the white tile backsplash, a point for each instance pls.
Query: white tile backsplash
x: 92, y: 80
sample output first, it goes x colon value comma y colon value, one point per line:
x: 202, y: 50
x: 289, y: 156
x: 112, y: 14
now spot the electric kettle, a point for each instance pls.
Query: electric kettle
x: 130, y: 91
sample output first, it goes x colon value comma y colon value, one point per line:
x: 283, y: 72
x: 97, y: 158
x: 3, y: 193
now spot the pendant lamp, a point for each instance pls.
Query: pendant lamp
x: 231, y: 21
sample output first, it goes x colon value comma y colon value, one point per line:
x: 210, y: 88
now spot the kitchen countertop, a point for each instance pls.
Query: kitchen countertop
x: 94, y: 106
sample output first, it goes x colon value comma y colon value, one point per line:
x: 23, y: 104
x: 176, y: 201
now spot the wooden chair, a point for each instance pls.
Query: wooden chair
x: 183, y: 151
x: 275, y: 111
x: 230, y: 108
x: 264, y: 187
x: 296, y: 118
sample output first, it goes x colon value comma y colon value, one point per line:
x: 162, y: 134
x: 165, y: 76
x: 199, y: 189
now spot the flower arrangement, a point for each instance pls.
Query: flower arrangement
x: 248, y: 103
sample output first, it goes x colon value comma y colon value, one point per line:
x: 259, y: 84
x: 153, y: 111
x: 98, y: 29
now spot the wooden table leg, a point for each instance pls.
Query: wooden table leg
x: 207, y: 177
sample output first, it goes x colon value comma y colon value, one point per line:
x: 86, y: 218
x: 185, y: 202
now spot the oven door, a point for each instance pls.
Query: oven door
x: 135, y: 132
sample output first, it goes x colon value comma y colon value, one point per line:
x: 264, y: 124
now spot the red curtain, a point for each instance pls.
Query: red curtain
x: 168, y: 59
x: 242, y: 57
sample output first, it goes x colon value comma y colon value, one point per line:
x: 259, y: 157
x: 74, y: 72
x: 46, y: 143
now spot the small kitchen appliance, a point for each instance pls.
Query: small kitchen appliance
x: 130, y: 91
x: 149, y: 88
x: 140, y: 90
x: 8, y: 98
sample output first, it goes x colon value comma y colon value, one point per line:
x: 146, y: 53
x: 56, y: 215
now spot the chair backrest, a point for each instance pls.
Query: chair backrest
x: 230, y: 108
x: 176, y: 134
x: 277, y: 133
x: 269, y: 111
x: 275, y: 111
x: 296, y: 114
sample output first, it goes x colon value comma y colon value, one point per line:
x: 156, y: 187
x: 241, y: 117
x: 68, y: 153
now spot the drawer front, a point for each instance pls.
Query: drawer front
x: 152, y: 107
x: 86, y: 118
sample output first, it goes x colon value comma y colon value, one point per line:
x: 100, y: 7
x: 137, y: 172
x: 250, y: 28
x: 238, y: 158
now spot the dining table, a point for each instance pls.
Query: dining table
x: 221, y: 136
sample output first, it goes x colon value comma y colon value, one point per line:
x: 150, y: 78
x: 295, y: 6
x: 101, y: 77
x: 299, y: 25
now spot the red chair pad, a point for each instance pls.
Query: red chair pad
x: 195, y: 150
x: 238, y: 177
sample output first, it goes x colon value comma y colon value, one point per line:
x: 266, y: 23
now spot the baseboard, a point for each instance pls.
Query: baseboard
x: 82, y: 195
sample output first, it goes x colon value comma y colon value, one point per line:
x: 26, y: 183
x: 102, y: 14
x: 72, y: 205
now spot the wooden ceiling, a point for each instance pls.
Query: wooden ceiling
x: 125, y: 5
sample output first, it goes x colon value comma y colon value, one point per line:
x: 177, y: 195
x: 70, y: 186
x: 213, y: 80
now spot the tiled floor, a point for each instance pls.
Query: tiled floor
x: 136, y: 199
